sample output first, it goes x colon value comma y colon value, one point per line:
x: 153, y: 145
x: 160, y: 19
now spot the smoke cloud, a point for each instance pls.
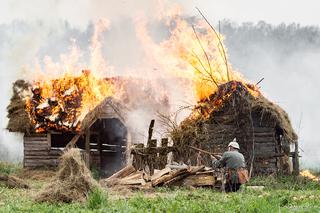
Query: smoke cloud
x: 286, y: 57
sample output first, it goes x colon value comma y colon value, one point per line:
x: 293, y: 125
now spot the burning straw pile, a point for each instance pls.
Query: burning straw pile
x: 73, y: 181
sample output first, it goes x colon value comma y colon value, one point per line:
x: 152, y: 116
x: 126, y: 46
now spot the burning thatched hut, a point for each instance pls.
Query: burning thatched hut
x: 103, y: 138
x: 53, y: 116
x: 238, y: 110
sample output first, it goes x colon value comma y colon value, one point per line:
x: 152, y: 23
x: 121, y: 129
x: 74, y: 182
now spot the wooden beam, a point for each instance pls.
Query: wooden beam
x: 87, y: 144
x: 295, y: 159
x: 126, y: 171
x: 73, y: 141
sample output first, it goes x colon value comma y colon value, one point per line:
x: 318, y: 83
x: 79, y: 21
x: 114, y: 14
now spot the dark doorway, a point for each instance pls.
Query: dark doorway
x: 112, y: 142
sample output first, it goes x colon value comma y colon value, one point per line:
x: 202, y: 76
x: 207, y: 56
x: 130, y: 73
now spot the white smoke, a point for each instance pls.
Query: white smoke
x: 30, y: 30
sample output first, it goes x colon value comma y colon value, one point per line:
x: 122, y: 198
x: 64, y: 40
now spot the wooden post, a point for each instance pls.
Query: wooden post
x: 99, y: 141
x: 49, y: 139
x: 152, y: 157
x: 295, y: 159
x: 150, y: 130
x: 87, y: 148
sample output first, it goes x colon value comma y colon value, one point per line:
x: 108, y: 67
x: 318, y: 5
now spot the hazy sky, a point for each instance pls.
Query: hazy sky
x: 78, y: 12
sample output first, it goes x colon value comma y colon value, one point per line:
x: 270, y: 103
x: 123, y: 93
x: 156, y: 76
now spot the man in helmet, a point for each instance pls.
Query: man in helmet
x: 234, y: 163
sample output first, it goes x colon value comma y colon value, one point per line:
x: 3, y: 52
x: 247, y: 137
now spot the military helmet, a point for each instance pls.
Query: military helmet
x: 234, y: 144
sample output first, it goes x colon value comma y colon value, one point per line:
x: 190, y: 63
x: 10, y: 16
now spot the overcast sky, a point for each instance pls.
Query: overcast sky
x: 79, y: 12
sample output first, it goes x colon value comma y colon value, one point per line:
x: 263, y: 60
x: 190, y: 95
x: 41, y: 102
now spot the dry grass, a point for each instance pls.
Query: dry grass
x: 18, y: 118
x: 37, y: 174
x: 12, y: 181
x: 72, y: 183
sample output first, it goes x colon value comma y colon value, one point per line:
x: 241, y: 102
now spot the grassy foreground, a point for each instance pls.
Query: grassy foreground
x: 282, y: 194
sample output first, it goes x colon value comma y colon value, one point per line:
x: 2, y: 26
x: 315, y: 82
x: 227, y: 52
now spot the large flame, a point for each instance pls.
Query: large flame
x: 62, y: 95
x: 195, y: 52
x: 61, y: 104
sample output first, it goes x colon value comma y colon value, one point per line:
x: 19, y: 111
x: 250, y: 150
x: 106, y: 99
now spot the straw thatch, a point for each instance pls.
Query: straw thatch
x: 132, y: 93
x: 72, y: 183
x: 18, y: 118
x: 232, y: 111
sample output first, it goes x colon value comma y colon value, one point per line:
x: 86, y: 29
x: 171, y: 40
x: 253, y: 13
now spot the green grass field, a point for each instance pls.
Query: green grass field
x: 281, y: 194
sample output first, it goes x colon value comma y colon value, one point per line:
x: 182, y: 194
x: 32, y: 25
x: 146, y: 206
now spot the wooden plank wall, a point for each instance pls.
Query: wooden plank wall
x: 37, y: 152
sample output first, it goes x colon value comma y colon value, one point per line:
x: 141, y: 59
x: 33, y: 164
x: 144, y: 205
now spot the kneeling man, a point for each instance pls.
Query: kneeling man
x: 234, y: 163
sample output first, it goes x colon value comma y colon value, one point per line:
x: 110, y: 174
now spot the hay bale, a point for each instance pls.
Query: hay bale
x: 72, y: 183
x: 19, y: 120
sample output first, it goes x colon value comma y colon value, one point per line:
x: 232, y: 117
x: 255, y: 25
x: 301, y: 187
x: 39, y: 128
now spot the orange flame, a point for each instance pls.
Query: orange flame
x: 309, y: 175
x: 62, y: 104
x: 193, y: 52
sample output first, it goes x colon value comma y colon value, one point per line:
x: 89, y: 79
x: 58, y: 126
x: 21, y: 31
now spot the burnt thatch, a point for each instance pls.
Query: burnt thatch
x: 235, y: 110
x: 133, y: 93
x: 18, y: 118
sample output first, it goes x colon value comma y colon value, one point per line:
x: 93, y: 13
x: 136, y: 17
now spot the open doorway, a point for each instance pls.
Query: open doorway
x: 111, y: 138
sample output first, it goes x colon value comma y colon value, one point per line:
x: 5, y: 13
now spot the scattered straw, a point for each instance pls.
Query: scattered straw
x: 13, y: 182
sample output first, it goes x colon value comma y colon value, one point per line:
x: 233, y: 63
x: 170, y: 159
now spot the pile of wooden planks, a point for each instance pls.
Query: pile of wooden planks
x: 171, y: 175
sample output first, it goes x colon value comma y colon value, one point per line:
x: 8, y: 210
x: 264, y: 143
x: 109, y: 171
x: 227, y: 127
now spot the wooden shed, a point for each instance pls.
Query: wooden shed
x: 236, y: 110
x: 103, y: 139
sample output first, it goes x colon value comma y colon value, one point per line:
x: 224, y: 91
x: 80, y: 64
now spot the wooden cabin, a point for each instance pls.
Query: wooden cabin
x: 262, y: 129
x: 103, y: 140
x: 104, y: 136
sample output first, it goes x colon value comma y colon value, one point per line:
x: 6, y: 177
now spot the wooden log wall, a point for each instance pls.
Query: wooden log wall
x: 266, y: 150
x: 38, y: 153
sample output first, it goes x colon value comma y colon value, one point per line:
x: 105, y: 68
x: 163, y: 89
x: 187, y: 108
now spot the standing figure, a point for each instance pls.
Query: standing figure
x: 234, y: 163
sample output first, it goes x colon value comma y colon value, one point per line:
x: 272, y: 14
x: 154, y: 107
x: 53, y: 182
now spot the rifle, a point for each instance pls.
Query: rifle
x: 216, y: 155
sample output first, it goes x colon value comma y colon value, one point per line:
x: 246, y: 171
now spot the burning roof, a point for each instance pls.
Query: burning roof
x: 70, y: 104
x: 233, y: 103
x: 235, y: 110
x: 61, y: 104
x: 195, y: 53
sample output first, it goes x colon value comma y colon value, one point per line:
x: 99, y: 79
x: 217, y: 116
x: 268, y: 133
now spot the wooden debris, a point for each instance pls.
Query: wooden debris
x: 199, y: 180
x: 126, y: 171
x: 160, y: 173
x: 168, y: 177
x: 171, y: 175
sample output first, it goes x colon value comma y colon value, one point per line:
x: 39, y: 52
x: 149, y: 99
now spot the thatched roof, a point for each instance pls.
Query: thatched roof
x: 277, y: 114
x: 134, y: 94
x: 18, y: 118
x: 233, y: 103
